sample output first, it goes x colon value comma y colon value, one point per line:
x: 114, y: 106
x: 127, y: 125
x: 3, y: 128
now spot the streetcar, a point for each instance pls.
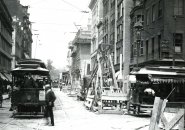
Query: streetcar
x: 28, y: 79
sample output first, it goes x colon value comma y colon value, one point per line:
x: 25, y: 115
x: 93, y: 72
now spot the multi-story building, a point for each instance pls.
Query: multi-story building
x: 17, y: 36
x: 114, y: 30
x: 80, y: 53
x: 158, y: 33
x: 122, y: 41
x: 5, y: 42
x: 157, y: 45
x: 96, y: 7
x: 22, y: 36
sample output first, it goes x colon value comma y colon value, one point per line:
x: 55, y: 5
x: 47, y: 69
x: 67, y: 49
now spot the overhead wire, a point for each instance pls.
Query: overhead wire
x: 71, y: 5
x: 66, y: 2
x: 55, y: 9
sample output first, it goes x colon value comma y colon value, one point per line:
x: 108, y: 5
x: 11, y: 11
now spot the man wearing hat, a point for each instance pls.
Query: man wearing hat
x: 50, y: 98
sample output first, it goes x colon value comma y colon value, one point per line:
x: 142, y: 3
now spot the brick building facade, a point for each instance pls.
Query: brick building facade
x: 5, y: 46
x: 162, y: 33
x: 5, y: 38
x: 22, y: 35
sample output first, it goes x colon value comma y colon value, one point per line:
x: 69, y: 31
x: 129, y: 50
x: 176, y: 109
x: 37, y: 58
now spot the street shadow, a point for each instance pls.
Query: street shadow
x: 141, y: 115
x: 28, y: 116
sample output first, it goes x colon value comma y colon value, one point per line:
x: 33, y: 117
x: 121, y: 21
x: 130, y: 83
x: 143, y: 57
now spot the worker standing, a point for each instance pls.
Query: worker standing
x: 50, y: 98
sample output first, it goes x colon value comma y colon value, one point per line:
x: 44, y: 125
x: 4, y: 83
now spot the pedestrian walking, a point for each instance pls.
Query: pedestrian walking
x: 50, y: 98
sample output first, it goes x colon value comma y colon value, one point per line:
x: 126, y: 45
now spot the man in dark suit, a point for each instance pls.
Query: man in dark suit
x: 29, y: 82
x: 50, y: 98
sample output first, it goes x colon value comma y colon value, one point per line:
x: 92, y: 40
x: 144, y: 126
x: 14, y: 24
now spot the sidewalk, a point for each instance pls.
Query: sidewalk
x: 5, y: 113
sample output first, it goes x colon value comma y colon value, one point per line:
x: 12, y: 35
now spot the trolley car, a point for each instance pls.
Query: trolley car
x: 29, y: 78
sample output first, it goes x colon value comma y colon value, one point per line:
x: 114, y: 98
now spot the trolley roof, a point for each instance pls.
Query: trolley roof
x: 32, y: 61
x: 32, y: 66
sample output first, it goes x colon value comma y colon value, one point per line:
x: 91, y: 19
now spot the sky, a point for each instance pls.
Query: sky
x: 53, y: 27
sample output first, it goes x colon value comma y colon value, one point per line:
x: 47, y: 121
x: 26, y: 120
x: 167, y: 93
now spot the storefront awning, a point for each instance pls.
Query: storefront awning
x: 159, y: 75
x: 157, y: 72
x: 169, y: 80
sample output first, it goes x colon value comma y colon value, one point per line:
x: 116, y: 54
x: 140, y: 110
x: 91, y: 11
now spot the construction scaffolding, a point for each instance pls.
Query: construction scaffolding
x: 104, y: 95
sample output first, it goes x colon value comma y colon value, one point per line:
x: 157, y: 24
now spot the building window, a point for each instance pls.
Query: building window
x: 146, y: 49
x: 159, y: 45
x: 135, y: 49
x: 118, y: 55
x: 112, y: 38
x: 160, y: 8
x: 112, y: 18
x: 120, y: 10
x: 178, y: 42
x: 141, y: 48
x: 153, y: 13
x: 147, y: 17
x: 178, y: 7
x: 139, y: 18
x: 120, y: 32
x: 153, y: 42
x: 132, y: 51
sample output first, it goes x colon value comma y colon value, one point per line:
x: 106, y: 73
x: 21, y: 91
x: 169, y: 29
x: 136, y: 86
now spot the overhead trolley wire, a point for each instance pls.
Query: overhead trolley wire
x: 71, y: 5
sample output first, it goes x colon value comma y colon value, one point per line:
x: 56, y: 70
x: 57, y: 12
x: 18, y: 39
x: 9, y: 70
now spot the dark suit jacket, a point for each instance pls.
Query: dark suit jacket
x: 29, y: 83
x: 50, y: 97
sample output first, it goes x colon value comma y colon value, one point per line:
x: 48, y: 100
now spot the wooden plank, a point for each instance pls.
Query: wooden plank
x: 175, y: 120
x: 113, y: 72
x: 155, y: 112
x: 164, y: 105
x: 162, y: 117
x: 164, y: 120
x: 181, y: 123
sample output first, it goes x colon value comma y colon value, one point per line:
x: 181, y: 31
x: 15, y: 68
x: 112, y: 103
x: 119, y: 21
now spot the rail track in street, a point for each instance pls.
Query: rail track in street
x: 71, y: 114
x: 21, y: 122
x: 8, y: 122
x: 5, y: 125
